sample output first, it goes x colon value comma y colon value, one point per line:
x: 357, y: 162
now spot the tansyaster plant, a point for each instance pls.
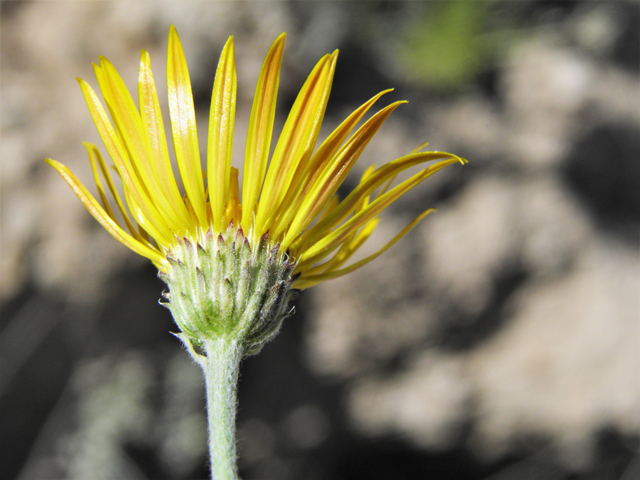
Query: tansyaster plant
x: 233, y: 256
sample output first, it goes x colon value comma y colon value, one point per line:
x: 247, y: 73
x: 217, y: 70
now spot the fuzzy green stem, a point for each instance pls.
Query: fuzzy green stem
x: 221, y: 366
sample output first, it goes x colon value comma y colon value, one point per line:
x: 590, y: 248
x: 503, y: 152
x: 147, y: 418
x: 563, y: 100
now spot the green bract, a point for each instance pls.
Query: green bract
x: 224, y: 287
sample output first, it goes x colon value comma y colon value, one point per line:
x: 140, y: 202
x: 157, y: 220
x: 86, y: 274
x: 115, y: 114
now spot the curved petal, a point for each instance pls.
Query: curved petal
x: 334, y: 173
x: 96, y: 157
x: 347, y: 249
x: 367, y: 187
x: 102, y: 217
x: 307, y: 174
x: 130, y: 178
x: 310, y: 280
x: 329, y: 241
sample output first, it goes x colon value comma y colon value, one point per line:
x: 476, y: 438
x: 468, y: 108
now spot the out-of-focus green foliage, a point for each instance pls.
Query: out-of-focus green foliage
x: 443, y: 46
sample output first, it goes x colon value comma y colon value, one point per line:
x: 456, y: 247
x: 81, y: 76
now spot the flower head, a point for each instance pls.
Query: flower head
x: 292, y: 197
x: 232, y: 254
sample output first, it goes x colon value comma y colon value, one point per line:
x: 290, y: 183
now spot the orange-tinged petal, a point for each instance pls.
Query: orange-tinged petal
x: 351, y: 243
x: 307, y: 174
x: 368, y: 186
x: 102, y: 217
x: 328, y: 148
x: 297, y: 140
x: 335, y: 172
x: 260, y: 130
x: 183, y: 126
x: 347, y: 249
x: 221, y: 119
x: 310, y: 280
x: 233, y: 209
x: 331, y: 240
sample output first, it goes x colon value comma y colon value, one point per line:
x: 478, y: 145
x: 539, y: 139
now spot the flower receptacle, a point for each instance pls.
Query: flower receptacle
x: 225, y: 286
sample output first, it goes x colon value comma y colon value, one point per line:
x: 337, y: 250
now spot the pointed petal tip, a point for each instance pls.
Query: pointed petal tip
x: 173, y: 35
x: 229, y: 44
x: 278, y: 43
x: 104, y: 61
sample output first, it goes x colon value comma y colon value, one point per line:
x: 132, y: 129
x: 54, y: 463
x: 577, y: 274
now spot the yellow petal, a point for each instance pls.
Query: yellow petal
x: 334, y: 173
x: 101, y: 216
x: 129, y: 125
x: 221, y: 119
x: 351, y: 242
x: 153, y: 125
x: 260, y: 130
x: 368, y: 186
x: 98, y: 182
x: 329, y: 207
x: 233, y: 209
x: 183, y: 126
x: 297, y: 140
x: 310, y: 280
x: 330, y: 146
x: 306, y: 175
x: 137, y: 213
x: 96, y: 157
x: 130, y: 179
x: 347, y: 249
x: 331, y: 240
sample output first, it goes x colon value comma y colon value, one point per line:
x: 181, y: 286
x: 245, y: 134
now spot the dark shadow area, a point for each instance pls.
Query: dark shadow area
x: 626, y: 52
x: 603, y: 169
x: 459, y: 332
x: 31, y: 388
x: 8, y: 8
x: 357, y: 78
x: 394, y: 460
x: 76, y: 333
x: 618, y: 457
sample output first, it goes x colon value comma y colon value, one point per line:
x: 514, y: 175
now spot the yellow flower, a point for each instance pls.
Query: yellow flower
x: 292, y: 197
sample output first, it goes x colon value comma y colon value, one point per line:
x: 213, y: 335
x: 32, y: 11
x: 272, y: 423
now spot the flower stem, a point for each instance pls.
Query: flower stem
x: 221, y: 367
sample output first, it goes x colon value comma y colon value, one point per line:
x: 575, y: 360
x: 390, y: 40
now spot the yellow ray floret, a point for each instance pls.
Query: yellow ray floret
x: 291, y: 196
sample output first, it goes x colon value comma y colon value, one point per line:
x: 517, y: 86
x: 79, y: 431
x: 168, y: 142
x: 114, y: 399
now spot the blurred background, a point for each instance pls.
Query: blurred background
x: 500, y: 340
